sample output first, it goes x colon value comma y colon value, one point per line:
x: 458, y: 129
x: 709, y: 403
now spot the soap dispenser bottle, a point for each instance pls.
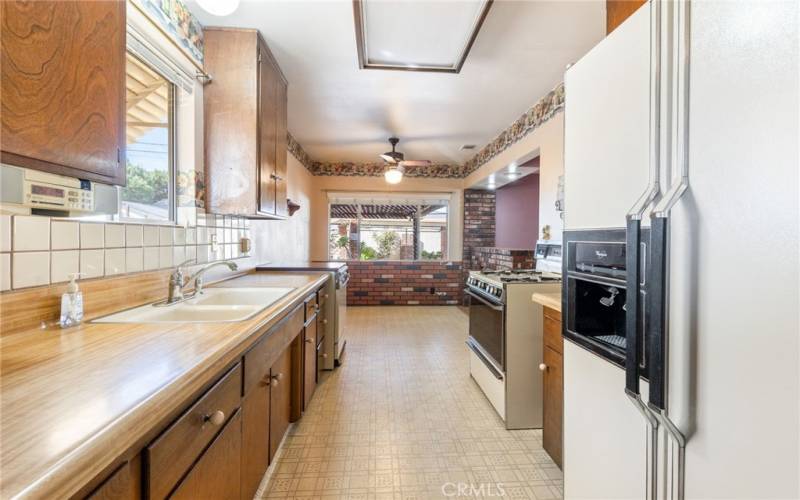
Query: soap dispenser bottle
x: 71, y: 304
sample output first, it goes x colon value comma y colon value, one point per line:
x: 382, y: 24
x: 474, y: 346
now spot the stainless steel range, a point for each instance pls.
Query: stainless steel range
x: 505, y: 338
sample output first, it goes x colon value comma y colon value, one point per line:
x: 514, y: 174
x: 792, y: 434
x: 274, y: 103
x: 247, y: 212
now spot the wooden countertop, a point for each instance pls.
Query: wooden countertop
x: 72, y: 401
x: 551, y: 300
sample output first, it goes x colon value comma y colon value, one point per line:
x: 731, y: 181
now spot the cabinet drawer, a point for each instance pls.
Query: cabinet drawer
x: 322, y: 296
x: 312, y: 332
x: 322, y: 326
x: 311, y: 306
x: 176, y: 449
x: 552, y: 334
x: 216, y: 474
x: 261, y: 356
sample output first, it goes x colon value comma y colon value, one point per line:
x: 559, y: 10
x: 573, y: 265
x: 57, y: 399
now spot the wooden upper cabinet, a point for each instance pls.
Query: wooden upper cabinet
x: 63, y: 87
x: 268, y: 129
x: 281, y: 209
x: 617, y: 11
x: 245, y: 125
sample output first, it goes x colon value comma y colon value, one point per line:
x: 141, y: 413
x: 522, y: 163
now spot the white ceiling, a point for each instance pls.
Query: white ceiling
x: 339, y: 112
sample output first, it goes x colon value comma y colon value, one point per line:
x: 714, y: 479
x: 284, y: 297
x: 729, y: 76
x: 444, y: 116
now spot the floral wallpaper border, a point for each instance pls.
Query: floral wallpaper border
x: 174, y: 19
x: 537, y: 115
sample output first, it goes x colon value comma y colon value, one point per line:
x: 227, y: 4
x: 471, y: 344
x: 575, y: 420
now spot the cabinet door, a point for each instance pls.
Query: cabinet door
x: 124, y: 483
x: 267, y: 106
x: 255, y: 436
x: 553, y: 404
x: 281, y: 208
x: 280, y: 400
x: 216, y: 474
x: 309, y: 363
x: 63, y: 87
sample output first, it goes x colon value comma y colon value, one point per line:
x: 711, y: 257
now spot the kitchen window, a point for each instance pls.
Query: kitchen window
x: 150, y: 136
x: 388, y: 229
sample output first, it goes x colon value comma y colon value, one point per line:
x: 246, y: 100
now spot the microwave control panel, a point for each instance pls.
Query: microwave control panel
x: 41, y: 190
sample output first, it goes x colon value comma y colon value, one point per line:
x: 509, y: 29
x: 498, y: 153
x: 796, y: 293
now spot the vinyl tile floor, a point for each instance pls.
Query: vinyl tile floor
x: 403, y: 419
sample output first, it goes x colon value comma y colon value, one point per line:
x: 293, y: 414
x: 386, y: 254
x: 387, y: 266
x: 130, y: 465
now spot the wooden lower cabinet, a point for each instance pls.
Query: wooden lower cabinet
x: 309, y: 362
x: 222, y: 442
x: 553, y: 405
x: 255, y: 437
x: 123, y: 484
x: 216, y: 474
x: 553, y: 408
x: 280, y: 402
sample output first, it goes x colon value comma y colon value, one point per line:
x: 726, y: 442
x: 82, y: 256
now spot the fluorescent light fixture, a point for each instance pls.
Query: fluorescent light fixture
x: 219, y: 7
x: 417, y: 36
x: 512, y: 168
x: 394, y: 175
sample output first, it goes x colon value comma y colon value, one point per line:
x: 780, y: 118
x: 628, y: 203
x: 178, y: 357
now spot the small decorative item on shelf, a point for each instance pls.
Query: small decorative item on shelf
x: 546, y: 232
x: 293, y: 207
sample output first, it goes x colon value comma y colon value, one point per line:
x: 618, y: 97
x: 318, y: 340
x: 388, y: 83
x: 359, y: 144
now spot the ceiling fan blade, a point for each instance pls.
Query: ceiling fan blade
x: 415, y: 163
x: 388, y: 158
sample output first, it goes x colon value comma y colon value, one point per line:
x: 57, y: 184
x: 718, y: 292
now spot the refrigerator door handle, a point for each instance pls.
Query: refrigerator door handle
x: 633, y: 323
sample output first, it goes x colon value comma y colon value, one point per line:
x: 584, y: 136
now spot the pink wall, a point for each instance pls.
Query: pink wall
x: 517, y: 214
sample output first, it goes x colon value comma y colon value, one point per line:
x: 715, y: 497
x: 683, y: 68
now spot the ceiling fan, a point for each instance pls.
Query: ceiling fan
x: 397, y: 163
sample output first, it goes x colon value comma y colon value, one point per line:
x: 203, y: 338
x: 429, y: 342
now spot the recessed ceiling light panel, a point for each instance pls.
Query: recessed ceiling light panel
x: 417, y: 35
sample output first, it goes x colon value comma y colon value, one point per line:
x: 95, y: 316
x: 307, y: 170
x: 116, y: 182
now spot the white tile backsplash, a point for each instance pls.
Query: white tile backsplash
x: 49, y: 250
x: 64, y: 235
x: 165, y: 235
x: 5, y: 271
x: 179, y: 237
x: 178, y: 255
x: 30, y: 269
x: 5, y: 233
x: 115, y: 236
x: 115, y: 261
x: 164, y: 257
x: 92, y: 263
x: 202, y: 253
x: 62, y: 264
x: 150, y: 236
x: 150, y: 258
x: 134, y: 260
x: 134, y: 236
x: 91, y: 235
x: 202, y: 235
x: 31, y: 232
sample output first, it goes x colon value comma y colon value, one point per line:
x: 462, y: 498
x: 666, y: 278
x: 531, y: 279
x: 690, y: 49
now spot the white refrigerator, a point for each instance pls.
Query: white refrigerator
x: 732, y: 294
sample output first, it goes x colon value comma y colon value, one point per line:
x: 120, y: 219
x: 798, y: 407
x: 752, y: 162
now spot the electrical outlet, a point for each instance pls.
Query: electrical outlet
x: 214, y: 244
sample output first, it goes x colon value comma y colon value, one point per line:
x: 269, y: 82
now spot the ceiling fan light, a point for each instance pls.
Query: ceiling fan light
x: 219, y: 7
x: 393, y: 175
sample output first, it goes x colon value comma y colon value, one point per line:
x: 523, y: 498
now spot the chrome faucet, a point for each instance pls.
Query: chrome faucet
x: 177, y: 280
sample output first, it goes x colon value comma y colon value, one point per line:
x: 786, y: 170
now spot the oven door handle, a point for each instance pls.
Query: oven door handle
x: 472, y: 347
x: 484, y: 301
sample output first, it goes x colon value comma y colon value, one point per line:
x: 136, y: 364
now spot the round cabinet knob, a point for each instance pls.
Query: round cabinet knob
x: 277, y: 378
x: 324, y: 354
x: 309, y: 341
x: 326, y: 295
x: 324, y: 321
x: 216, y: 418
x: 543, y: 367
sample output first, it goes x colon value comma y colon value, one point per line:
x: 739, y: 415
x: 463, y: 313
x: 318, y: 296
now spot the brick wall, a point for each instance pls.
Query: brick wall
x: 404, y: 283
x: 479, y: 222
x: 501, y: 258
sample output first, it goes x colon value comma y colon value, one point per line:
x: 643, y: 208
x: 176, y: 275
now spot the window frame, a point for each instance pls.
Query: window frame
x: 172, y: 127
x: 358, y: 202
